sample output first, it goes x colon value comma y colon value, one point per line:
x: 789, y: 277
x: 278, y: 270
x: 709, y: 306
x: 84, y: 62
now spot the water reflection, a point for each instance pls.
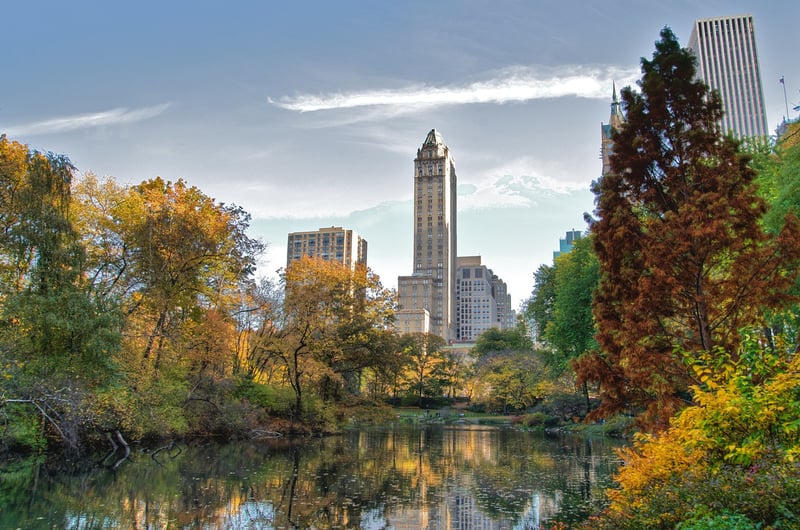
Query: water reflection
x: 398, y: 477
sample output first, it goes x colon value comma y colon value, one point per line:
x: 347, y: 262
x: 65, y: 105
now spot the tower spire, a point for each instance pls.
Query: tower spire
x: 616, y: 119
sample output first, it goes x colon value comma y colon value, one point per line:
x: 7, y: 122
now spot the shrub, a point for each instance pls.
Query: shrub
x: 564, y: 405
x: 22, y: 429
x: 733, y: 455
x: 724, y: 521
x: 618, y: 426
x: 275, y: 401
x: 540, y: 419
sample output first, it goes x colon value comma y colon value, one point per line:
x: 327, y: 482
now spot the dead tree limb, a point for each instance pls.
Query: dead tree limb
x: 44, y: 414
x: 127, y: 450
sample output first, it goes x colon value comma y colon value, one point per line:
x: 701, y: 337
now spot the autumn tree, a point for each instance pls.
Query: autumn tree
x: 514, y: 380
x: 732, y: 457
x: 684, y: 262
x: 174, y: 260
x: 426, y: 363
x: 508, y: 373
x: 186, y: 249
x: 334, y: 323
x: 57, y: 340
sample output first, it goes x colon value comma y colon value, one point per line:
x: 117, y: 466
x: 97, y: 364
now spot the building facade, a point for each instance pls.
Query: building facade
x: 565, y: 243
x: 506, y: 315
x: 727, y: 61
x: 476, y: 310
x: 482, y: 300
x: 431, y: 285
x: 330, y: 244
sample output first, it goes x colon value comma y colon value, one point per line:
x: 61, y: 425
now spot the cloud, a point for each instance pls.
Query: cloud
x: 512, y: 192
x: 86, y: 121
x: 514, y: 84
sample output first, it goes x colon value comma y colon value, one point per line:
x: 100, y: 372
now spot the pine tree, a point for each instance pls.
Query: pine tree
x: 685, y: 264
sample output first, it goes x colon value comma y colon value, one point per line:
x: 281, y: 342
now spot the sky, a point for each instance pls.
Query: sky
x: 309, y: 114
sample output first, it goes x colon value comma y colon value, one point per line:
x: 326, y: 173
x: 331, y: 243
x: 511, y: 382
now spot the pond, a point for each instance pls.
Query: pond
x: 398, y: 477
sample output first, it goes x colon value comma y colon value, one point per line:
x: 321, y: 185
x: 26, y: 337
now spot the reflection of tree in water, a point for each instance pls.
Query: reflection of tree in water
x: 402, y: 478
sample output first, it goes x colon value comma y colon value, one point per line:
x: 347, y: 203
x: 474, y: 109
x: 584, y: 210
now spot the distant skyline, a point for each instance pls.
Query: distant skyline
x: 309, y: 114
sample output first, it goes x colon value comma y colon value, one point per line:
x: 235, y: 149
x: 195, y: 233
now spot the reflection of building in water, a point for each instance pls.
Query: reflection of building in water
x: 540, y: 508
x: 464, y: 513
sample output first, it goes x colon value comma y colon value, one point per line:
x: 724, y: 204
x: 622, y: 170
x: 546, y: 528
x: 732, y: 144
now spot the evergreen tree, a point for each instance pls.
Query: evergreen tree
x: 684, y: 262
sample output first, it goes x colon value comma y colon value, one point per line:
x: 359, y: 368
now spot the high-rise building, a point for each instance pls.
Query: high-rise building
x: 506, y: 315
x: 727, y: 61
x: 330, y: 244
x: 482, y: 300
x: 430, y: 289
x: 476, y: 310
x: 615, y: 121
x: 565, y: 243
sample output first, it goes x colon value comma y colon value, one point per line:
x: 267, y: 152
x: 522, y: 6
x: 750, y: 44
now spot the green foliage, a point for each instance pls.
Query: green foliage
x: 779, y: 180
x: 277, y: 401
x: 513, y: 381
x: 539, y: 308
x: 496, y: 340
x: 723, y: 521
x: 540, y: 419
x: 22, y: 429
x: 571, y: 330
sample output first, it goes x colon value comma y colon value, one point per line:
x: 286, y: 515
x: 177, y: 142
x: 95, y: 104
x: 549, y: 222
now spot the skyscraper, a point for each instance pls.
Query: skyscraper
x: 615, y: 121
x: 565, y: 243
x: 428, y: 294
x: 727, y: 61
x: 482, y: 300
x: 476, y: 310
x: 331, y: 244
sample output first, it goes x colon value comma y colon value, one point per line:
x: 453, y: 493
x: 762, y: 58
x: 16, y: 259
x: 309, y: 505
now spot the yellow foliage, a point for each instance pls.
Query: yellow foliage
x: 740, y: 419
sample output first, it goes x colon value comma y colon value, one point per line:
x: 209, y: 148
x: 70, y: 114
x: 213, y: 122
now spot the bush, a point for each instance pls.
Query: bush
x: 725, y: 521
x: 540, y: 419
x: 730, y: 459
x: 22, y: 431
x: 319, y: 414
x: 564, y: 405
x: 618, y: 426
x: 477, y: 407
x: 275, y: 401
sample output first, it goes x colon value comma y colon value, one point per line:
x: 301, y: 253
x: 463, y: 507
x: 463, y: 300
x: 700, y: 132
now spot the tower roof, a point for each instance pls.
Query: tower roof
x: 433, y: 139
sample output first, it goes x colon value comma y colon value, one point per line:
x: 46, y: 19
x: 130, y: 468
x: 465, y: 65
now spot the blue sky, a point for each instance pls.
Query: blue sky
x: 309, y: 114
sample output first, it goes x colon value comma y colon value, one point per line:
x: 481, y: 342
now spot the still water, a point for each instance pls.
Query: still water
x: 396, y: 477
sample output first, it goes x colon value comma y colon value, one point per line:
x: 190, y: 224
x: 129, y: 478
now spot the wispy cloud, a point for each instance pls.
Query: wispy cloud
x: 86, y: 121
x: 510, y: 85
x: 513, y: 192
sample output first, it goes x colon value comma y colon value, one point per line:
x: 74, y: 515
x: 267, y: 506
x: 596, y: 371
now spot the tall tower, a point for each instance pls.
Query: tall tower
x: 429, y: 293
x: 615, y: 121
x: 727, y: 62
